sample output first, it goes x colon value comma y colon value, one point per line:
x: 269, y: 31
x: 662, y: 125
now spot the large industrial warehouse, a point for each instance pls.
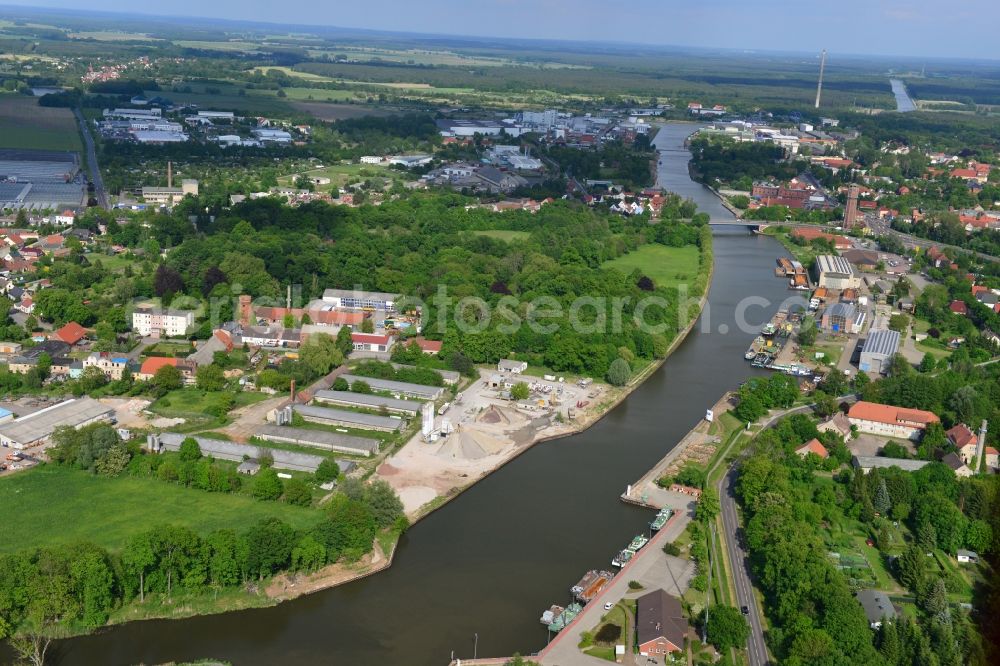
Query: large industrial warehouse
x: 320, y: 439
x: 35, y: 428
x: 400, y: 388
x: 342, y: 417
x: 880, y: 347
x: 350, y: 399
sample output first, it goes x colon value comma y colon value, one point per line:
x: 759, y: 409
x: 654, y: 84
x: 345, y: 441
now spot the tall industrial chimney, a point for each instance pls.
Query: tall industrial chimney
x: 851, y: 214
x: 980, y: 447
x: 170, y: 174
x: 819, y: 86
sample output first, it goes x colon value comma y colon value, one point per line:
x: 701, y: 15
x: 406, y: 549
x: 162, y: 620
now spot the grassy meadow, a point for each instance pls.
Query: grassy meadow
x: 51, y: 504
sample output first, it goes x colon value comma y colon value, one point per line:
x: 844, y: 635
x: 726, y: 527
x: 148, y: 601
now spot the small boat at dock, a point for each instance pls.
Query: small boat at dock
x: 661, y: 519
x: 590, y: 585
x: 565, y: 617
x: 622, y: 558
x: 549, y: 616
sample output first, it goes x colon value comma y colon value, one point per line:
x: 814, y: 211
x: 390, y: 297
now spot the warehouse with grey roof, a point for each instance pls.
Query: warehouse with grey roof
x: 35, y: 428
x: 367, y: 400
x: 342, y: 417
x: 224, y: 450
x: 879, y: 350
x: 320, y: 439
x: 400, y: 388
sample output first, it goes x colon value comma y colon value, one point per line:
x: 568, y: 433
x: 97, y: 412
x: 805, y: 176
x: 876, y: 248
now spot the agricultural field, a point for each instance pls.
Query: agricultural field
x: 666, y: 266
x: 70, y: 505
x: 24, y: 124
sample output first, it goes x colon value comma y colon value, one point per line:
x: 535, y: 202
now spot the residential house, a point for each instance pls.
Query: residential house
x: 956, y: 464
x: 153, y: 363
x: 371, y: 342
x: 959, y: 308
x: 838, y: 423
x: 71, y: 333
x: 878, y: 608
x: 889, y: 420
x: 113, y: 366
x: 966, y: 556
x: 432, y: 347
x: 660, y: 624
x: 512, y: 367
x: 965, y: 441
x: 813, y: 446
x: 28, y: 358
x: 221, y: 341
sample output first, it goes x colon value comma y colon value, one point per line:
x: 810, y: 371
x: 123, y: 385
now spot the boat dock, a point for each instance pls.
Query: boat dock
x: 698, y: 446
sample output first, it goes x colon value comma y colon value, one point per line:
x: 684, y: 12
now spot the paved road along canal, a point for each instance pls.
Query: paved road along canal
x: 491, y: 561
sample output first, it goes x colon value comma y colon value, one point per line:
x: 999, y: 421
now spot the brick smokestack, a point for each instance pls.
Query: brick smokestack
x: 245, y: 309
x: 291, y: 391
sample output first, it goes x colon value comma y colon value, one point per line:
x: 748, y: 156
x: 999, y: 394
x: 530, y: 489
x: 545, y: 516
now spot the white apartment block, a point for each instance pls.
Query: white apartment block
x: 168, y: 323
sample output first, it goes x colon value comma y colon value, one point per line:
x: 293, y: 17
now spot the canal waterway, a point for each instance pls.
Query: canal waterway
x: 904, y: 103
x: 491, y: 561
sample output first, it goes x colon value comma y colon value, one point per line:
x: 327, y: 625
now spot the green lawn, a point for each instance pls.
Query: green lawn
x: 51, y: 504
x: 193, y: 405
x: 666, y: 266
x: 169, y: 349
x: 504, y: 235
x: 114, y: 263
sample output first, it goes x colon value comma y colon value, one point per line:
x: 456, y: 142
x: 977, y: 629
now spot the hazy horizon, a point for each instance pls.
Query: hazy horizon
x: 915, y: 29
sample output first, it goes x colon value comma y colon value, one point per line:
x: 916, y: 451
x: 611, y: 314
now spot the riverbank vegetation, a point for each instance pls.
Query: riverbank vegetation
x: 109, y: 532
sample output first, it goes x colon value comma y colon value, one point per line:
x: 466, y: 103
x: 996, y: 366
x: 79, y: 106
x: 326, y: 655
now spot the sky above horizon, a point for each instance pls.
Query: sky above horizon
x: 891, y: 27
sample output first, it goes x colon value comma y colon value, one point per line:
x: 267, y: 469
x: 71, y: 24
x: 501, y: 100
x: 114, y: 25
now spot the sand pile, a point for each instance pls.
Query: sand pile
x: 470, y: 445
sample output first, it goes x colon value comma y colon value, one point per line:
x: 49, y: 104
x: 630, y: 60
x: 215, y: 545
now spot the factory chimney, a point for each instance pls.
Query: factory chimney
x: 288, y: 297
x: 291, y: 392
x: 819, y: 86
x: 980, y: 447
x: 851, y: 214
x: 170, y: 174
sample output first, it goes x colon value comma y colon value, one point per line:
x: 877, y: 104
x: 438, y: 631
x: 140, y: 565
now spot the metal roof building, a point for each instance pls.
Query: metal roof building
x: 39, y: 426
x: 835, y: 272
x: 236, y: 452
x: 342, y: 417
x: 868, y: 463
x: 402, y: 388
x: 320, y: 439
x: 879, y: 349
x: 349, y: 399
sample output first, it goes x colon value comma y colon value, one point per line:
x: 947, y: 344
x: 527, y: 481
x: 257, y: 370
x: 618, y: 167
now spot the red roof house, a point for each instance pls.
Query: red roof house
x: 71, y: 333
x: 959, y: 307
x: 813, y: 446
